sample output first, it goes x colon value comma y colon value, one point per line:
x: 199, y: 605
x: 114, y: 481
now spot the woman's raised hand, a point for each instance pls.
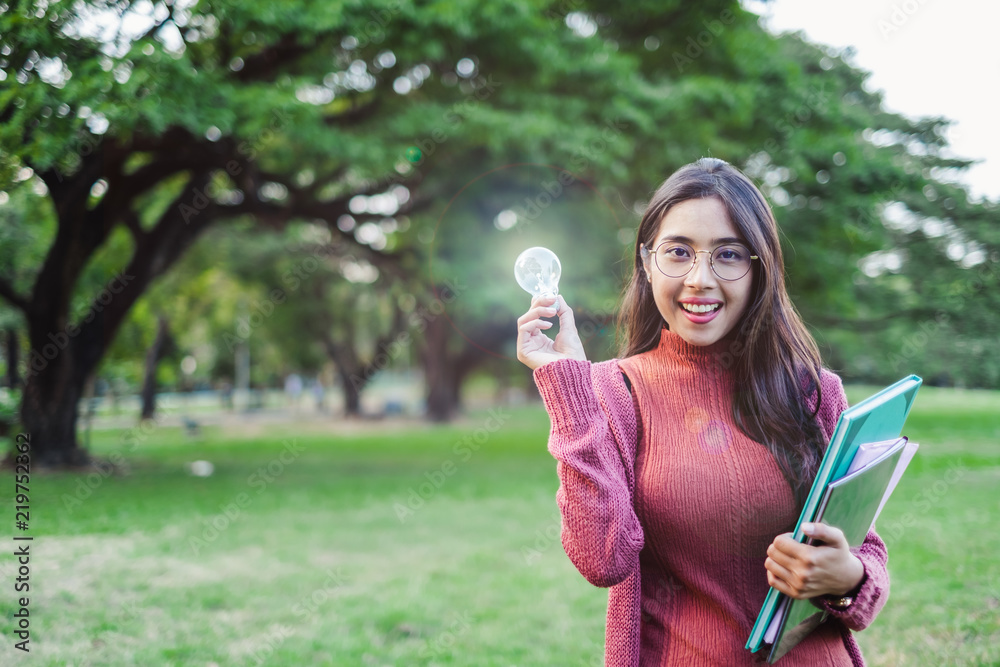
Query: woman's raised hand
x: 534, y: 348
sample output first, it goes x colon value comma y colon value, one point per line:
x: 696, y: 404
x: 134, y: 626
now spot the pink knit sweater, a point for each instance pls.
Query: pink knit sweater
x: 640, y: 502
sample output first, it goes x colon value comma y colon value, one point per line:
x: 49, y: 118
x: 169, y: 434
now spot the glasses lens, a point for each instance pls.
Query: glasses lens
x: 731, y: 262
x: 674, y: 259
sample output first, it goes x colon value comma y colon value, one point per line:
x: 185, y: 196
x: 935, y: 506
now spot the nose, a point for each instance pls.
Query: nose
x: 701, y: 276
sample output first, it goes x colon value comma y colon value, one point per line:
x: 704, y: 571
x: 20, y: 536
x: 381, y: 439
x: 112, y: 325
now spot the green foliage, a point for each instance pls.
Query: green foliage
x: 295, y: 107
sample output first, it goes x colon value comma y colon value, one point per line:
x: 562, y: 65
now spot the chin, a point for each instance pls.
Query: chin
x: 705, y: 341
x: 699, y: 338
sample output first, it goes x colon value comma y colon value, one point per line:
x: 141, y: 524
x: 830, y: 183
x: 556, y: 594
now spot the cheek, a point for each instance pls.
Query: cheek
x: 663, y: 296
x: 742, y: 299
x: 665, y: 293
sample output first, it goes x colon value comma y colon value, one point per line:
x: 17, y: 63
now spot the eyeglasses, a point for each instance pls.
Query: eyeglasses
x: 675, y: 260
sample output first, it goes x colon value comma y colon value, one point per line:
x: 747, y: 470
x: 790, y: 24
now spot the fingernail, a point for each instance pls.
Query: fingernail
x: 808, y: 528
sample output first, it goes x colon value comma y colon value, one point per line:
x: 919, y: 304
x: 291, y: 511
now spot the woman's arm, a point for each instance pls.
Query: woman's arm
x: 593, y: 439
x: 871, y: 593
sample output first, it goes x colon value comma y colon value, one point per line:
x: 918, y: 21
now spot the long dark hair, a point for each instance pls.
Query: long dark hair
x: 776, y: 363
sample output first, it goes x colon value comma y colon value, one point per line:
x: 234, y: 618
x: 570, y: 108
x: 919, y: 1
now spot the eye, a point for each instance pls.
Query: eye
x: 730, y: 254
x: 676, y: 252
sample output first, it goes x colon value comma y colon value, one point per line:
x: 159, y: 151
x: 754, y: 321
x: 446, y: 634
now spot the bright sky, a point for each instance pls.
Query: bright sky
x: 929, y: 57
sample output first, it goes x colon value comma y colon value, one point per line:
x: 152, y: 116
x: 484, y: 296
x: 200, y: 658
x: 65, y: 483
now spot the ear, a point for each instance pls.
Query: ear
x: 644, y: 257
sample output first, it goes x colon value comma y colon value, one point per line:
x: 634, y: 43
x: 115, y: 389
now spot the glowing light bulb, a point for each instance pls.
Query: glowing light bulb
x: 537, y: 271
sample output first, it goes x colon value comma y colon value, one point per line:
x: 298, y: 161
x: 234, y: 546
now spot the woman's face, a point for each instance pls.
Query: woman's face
x: 702, y: 224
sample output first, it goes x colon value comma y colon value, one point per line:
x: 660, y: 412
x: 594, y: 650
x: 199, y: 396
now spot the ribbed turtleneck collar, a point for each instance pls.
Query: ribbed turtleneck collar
x: 676, y: 346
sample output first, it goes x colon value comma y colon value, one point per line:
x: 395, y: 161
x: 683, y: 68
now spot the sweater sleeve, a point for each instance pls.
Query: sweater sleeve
x: 873, y: 591
x: 593, y: 439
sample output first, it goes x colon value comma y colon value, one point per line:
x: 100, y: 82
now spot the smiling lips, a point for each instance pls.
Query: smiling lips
x: 700, y: 311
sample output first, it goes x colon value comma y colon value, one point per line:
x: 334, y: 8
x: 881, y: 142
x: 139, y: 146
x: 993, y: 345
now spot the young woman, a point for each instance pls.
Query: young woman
x: 684, y: 464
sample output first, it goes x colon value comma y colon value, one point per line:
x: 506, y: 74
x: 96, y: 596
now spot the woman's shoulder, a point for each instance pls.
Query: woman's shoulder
x: 832, y: 399
x: 635, y: 363
x: 612, y: 385
x: 608, y: 372
x: 830, y: 381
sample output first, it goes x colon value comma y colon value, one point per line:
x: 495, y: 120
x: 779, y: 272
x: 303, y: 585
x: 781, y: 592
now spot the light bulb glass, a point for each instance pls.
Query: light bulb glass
x: 537, y: 271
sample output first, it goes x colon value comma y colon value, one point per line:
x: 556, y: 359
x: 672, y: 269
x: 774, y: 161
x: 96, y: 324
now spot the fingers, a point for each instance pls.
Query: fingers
x: 546, y: 300
x: 785, y: 572
x: 531, y: 321
x: 783, y: 586
x: 779, y: 577
x: 540, y: 307
x: 778, y: 567
x: 567, y: 344
x: 782, y: 551
x: 565, y: 313
x: 528, y: 344
x: 554, y: 305
x: 785, y: 544
x: 531, y: 326
x: 830, y: 535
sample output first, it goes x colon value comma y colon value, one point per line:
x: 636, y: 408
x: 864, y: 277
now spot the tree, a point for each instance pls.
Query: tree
x: 266, y: 89
x: 327, y: 302
x: 369, y: 114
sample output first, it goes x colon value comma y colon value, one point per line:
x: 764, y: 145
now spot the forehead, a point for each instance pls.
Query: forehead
x: 704, y: 221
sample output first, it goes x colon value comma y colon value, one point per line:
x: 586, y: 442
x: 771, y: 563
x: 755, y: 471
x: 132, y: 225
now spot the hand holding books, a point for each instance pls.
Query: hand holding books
x: 803, y: 571
x: 863, y: 462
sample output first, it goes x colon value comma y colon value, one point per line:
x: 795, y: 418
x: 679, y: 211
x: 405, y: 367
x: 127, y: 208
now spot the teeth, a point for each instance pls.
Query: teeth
x: 692, y: 308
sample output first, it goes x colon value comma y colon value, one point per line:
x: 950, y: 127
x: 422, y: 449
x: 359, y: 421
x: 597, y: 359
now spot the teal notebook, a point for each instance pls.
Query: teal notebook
x: 851, y: 503
x: 879, y: 417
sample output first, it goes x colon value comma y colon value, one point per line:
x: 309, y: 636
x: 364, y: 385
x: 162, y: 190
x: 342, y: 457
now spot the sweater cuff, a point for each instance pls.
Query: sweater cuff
x: 857, y: 593
x: 568, y: 394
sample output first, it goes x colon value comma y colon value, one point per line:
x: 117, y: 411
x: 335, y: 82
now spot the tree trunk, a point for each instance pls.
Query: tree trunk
x: 153, y: 356
x: 13, y: 358
x: 355, y: 374
x: 350, y: 372
x: 49, y: 408
x: 352, y: 394
x: 439, y: 373
x: 446, y: 370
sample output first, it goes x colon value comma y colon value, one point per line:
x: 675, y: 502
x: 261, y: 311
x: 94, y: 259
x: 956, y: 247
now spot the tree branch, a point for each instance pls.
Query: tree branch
x: 12, y: 297
x: 263, y: 66
x: 71, y: 191
x: 159, y: 250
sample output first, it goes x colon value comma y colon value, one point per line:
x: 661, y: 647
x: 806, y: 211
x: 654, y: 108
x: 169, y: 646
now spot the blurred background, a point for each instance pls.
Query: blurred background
x: 257, y: 309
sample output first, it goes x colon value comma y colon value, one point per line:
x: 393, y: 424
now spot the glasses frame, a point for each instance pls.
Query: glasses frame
x: 645, y: 254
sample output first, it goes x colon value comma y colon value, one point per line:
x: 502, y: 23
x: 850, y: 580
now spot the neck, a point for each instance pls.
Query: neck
x: 716, y: 354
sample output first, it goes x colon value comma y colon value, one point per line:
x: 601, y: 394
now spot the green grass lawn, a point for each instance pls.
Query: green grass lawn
x: 429, y: 545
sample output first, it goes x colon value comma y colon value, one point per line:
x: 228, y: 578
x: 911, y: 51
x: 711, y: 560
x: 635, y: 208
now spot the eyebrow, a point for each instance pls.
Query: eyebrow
x: 713, y: 242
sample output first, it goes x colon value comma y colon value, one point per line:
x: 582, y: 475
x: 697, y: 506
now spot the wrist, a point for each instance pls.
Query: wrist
x: 854, y: 580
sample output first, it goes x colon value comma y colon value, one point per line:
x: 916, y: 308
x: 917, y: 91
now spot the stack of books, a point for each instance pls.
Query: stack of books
x: 864, y: 461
